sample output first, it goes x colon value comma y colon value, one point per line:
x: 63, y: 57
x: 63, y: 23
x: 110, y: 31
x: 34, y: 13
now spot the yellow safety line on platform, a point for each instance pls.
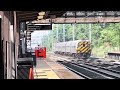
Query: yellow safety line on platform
x: 45, y: 74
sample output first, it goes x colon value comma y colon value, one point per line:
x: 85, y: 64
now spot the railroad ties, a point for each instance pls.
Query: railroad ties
x: 89, y: 71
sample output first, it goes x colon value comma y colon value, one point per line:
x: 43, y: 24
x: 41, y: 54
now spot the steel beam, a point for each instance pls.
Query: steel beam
x: 81, y: 20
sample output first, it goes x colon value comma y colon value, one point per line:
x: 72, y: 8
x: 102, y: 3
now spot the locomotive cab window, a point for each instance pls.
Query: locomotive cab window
x: 83, y: 45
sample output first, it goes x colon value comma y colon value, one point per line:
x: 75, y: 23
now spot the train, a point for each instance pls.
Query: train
x: 77, y: 48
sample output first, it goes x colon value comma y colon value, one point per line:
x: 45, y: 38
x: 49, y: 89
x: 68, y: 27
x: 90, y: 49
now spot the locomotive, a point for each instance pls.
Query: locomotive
x: 77, y: 48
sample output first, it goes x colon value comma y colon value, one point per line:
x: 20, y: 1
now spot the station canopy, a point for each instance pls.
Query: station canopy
x: 67, y: 16
x: 33, y: 15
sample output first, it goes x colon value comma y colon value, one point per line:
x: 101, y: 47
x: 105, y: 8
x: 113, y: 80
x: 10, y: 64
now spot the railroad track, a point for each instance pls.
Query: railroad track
x: 89, y: 71
x: 109, y: 68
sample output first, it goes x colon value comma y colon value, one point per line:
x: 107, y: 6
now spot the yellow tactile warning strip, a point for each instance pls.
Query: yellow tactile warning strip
x: 48, y: 69
x: 44, y: 74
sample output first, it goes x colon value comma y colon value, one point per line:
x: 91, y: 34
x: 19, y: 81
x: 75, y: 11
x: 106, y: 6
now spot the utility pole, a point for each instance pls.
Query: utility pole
x: 63, y: 32
x: 42, y: 39
x: 90, y: 32
x: 52, y: 41
x: 57, y: 32
x: 73, y: 33
x: 119, y: 39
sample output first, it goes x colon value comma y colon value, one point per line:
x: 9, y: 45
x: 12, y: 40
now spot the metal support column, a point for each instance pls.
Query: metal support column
x: 73, y: 33
x: 63, y: 32
x: 57, y: 32
x: 1, y: 50
x: 119, y: 39
x: 52, y: 41
x: 90, y: 32
x: 15, y: 57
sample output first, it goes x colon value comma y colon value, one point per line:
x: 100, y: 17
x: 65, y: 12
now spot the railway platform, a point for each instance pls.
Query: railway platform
x: 114, y: 55
x: 48, y: 69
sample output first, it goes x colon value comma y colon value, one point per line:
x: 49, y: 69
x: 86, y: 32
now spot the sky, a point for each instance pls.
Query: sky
x: 37, y: 35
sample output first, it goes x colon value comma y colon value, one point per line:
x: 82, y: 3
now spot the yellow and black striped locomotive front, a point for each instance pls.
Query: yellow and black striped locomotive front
x: 84, y: 49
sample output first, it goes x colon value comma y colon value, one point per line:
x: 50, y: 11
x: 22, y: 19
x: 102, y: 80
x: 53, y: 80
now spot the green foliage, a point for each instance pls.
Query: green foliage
x: 105, y: 36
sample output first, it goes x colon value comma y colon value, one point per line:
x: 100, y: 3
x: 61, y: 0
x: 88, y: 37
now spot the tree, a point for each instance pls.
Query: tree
x: 102, y: 34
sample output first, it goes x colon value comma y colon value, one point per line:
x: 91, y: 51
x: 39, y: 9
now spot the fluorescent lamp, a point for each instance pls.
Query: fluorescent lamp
x: 42, y: 24
x: 40, y: 17
x: 41, y: 13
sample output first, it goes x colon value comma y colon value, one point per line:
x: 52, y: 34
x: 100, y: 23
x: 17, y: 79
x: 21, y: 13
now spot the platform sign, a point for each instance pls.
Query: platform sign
x: 33, y: 27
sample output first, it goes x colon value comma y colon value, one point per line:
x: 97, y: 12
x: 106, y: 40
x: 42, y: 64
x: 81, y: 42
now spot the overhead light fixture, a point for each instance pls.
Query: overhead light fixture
x: 40, y: 17
x: 41, y: 13
x: 42, y: 24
